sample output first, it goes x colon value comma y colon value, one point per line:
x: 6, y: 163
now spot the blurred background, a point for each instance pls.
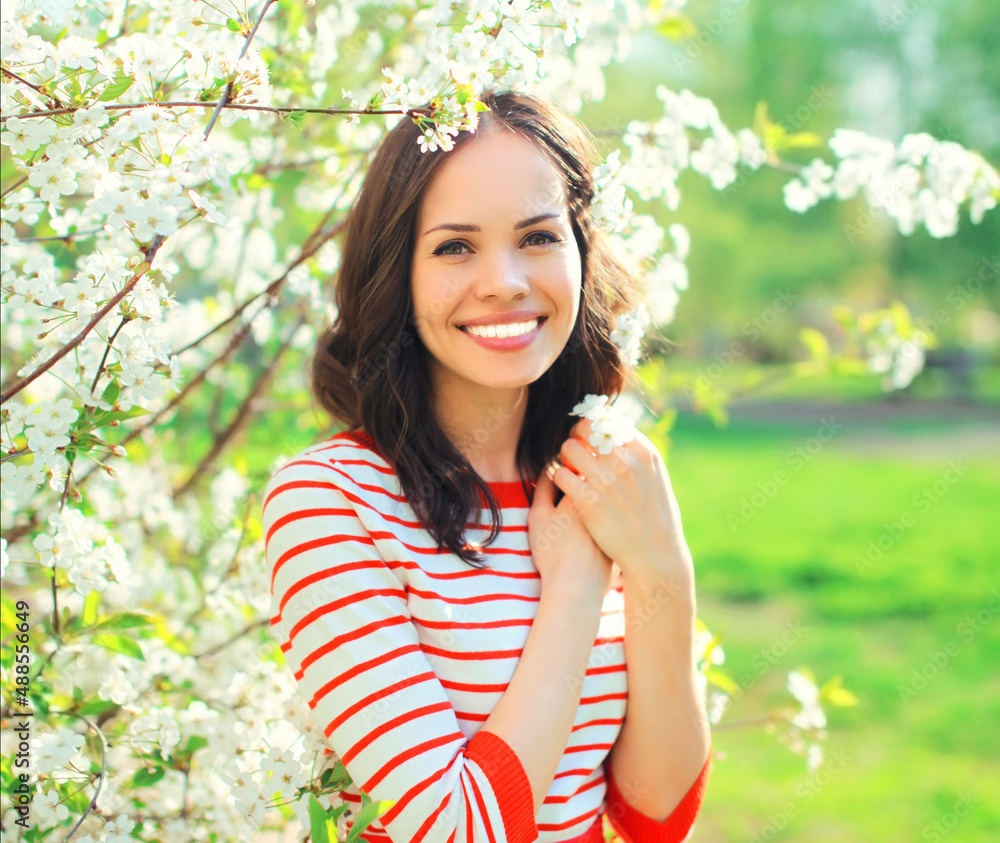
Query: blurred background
x: 876, y: 559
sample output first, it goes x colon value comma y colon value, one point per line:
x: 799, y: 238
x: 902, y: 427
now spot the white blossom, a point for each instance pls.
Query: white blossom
x: 611, y: 427
x: 55, y: 749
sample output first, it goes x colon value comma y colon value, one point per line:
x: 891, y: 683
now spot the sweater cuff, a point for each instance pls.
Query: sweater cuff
x: 511, y: 787
x: 635, y: 827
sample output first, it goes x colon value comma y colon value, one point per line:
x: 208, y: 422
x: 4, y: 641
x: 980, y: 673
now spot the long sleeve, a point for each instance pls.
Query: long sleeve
x: 340, y: 615
x: 635, y: 827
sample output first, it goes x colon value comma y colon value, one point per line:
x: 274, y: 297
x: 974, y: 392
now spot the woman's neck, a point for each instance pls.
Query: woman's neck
x: 485, y: 425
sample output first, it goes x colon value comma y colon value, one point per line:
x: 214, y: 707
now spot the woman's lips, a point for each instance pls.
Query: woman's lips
x: 507, y: 343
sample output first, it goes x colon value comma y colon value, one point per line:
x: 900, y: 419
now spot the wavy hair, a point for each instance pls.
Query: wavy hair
x: 369, y: 369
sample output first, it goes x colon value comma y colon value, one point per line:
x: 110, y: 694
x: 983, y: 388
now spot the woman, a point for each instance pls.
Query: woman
x: 477, y: 677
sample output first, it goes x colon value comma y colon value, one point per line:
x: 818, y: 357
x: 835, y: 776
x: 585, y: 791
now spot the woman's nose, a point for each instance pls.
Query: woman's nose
x: 502, y: 273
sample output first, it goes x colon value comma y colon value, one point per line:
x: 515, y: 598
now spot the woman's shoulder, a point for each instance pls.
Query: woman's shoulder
x: 349, y: 458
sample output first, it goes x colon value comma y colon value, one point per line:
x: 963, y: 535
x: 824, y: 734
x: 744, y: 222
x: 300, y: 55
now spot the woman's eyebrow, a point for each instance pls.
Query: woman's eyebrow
x: 459, y: 226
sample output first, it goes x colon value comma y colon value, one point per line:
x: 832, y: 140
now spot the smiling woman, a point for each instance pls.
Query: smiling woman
x: 474, y: 676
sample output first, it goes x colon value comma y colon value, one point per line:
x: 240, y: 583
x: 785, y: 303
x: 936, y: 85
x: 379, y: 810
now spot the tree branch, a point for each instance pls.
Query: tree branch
x: 219, y: 443
x: 140, y: 271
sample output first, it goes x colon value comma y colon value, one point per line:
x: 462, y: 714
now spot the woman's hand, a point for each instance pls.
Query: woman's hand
x: 627, y: 505
x: 566, y: 556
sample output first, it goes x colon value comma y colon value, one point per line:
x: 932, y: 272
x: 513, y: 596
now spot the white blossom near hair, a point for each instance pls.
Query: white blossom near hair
x: 611, y: 208
x: 629, y: 332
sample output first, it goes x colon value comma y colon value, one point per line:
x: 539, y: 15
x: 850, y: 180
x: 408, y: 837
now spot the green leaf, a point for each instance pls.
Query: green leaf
x: 112, y: 91
x: 90, y: 607
x: 111, y: 391
x: 125, y: 620
x: 144, y: 777
x: 677, y: 27
x: 96, y: 707
x: 233, y: 25
x: 834, y: 693
x: 119, y: 644
x: 194, y: 743
x: 369, y: 813
x: 295, y: 117
x: 318, y: 822
x: 88, y: 441
x: 802, y: 140
x: 816, y: 343
x: 721, y: 680
x: 124, y: 415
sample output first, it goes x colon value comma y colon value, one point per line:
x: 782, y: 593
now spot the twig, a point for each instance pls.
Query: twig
x: 140, y: 271
x: 23, y: 81
x: 100, y: 775
x: 425, y: 110
x: 229, y: 86
x: 308, y: 250
x: 211, y: 651
x: 219, y: 442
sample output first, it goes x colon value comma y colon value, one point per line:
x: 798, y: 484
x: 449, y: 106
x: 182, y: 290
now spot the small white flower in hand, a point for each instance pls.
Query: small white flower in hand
x: 611, y: 426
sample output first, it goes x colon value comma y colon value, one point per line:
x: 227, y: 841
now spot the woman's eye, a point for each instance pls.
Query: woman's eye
x: 444, y: 248
x: 549, y: 238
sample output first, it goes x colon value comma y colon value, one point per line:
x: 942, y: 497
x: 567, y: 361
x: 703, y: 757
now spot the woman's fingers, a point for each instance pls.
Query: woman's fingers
x: 571, y: 484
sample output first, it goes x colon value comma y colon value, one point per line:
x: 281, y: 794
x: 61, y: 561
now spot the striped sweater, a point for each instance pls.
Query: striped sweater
x: 402, y: 652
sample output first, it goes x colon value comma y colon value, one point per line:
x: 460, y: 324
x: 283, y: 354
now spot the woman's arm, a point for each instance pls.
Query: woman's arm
x: 535, y: 715
x: 664, y: 745
x: 341, y: 616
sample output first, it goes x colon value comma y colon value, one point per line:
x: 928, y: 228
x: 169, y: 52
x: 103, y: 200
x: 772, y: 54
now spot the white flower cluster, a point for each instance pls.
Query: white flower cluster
x: 899, y: 358
x: 611, y: 427
x: 923, y: 180
x: 516, y: 44
x: 611, y: 209
x: 661, y: 151
x: 628, y: 334
x: 805, y: 691
x: 707, y: 653
x: 55, y: 749
x: 72, y: 547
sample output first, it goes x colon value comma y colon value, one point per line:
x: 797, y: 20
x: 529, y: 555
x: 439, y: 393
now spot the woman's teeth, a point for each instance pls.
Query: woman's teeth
x: 515, y: 329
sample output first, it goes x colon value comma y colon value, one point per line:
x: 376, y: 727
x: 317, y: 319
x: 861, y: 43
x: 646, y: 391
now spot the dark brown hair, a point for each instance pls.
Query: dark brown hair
x: 370, y: 368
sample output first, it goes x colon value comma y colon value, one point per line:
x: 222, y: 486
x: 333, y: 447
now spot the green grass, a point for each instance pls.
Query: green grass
x: 794, y: 559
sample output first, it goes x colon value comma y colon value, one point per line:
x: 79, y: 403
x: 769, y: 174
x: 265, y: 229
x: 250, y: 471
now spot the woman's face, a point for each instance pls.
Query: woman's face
x: 495, y: 245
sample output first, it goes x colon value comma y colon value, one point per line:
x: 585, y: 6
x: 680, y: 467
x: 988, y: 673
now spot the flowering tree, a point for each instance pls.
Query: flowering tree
x: 155, y: 292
